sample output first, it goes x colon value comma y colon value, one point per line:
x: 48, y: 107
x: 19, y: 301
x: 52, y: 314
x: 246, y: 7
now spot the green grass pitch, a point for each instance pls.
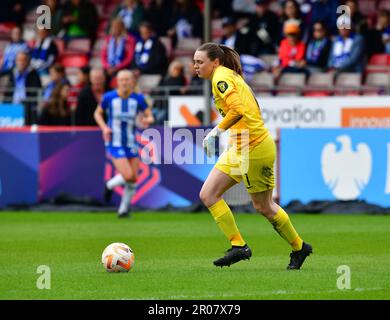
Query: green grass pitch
x: 174, y: 254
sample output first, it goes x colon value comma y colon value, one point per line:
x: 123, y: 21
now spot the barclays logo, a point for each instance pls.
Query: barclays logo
x: 346, y: 172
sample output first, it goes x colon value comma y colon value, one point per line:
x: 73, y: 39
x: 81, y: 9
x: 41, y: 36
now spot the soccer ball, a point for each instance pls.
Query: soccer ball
x: 118, y: 257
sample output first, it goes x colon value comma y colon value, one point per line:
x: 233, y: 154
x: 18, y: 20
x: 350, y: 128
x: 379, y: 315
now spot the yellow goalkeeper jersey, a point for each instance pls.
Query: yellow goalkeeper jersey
x: 239, y: 108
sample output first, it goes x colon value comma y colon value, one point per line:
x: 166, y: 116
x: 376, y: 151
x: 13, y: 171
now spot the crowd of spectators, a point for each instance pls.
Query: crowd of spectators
x: 145, y: 36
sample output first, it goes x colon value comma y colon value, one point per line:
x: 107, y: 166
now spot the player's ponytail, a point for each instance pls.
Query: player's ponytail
x: 228, y: 57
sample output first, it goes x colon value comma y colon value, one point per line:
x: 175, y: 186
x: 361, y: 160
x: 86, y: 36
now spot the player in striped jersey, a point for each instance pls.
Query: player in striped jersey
x: 123, y: 109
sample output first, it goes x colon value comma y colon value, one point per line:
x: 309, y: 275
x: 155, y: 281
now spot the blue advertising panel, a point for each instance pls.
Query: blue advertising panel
x: 11, y: 115
x: 335, y: 164
x: 19, y: 161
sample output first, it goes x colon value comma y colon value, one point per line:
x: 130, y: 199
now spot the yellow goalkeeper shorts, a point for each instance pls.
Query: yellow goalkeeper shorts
x: 255, y: 168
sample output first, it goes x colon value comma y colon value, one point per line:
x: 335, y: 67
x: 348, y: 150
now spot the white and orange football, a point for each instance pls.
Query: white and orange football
x: 118, y: 257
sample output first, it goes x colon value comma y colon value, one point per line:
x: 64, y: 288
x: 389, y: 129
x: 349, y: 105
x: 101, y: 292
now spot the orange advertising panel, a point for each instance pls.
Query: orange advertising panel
x: 365, y: 117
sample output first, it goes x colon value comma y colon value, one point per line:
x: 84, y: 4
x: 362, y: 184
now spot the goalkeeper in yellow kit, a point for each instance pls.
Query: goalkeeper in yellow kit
x: 250, y: 158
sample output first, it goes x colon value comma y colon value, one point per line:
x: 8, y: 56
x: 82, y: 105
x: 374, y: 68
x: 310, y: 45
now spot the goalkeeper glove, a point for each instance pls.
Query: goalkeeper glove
x: 209, y: 141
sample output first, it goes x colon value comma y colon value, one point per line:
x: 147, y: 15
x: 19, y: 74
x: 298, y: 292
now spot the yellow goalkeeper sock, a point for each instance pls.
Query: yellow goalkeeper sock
x: 282, y: 224
x: 224, y: 218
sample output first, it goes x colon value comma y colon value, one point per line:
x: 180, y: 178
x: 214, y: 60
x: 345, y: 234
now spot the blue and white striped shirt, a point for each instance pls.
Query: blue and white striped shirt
x: 121, y: 116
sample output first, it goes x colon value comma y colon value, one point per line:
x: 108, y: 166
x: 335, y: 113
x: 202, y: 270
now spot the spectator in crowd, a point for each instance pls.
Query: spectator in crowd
x: 347, y: 52
x: 292, y: 51
x: 82, y: 82
x: 118, y: 49
x: 186, y: 21
x: 57, y: 111
x: 150, y: 54
x: 195, y: 84
x: 12, y: 12
x: 251, y: 65
x: 325, y: 11
x: 80, y: 20
x: 23, y: 85
x: 378, y: 39
x: 170, y: 85
x: 159, y: 14
x: 16, y: 45
x: 132, y: 13
x: 57, y: 76
x: 90, y: 97
x: 174, y: 79
x: 265, y: 28
x: 318, y: 49
x: 292, y: 11
x: 357, y: 18
x: 44, y: 53
x: 233, y: 38
x: 56, y: 15
x: 221, y: 8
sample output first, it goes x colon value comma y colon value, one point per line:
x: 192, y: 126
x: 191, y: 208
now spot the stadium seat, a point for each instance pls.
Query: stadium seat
x: 60, y: 45
x: 77, y: 61
x: 376, y: 84
x: 290, y: 84
x: 5, y: 30
x: 187, y: 46
x: 319, y: 84
x: 147, y: 82
x: 269, y: 59
x: 167, y: 42
x: 78, y: 46
x: 262, y: 82
x: 348, y: 84
x: 379, y: 63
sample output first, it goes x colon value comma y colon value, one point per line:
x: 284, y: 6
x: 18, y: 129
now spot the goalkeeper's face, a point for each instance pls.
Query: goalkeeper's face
x: 204, y: 67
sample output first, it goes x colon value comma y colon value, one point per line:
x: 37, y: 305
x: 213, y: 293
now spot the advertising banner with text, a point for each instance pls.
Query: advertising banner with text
x: 297, y: 112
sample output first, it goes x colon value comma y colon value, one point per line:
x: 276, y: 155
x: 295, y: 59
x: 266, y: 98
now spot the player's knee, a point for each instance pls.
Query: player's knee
x: 130, y: 178
x: 206, y: 198
x: 264, y: 209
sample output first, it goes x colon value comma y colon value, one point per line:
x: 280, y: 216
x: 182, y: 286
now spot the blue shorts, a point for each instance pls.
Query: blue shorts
x: 122, y: 152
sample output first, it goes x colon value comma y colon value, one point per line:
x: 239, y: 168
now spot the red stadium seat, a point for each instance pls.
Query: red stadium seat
x: 60, y: 46
x: 379, y: 63
x: 76, y: 61
x: 78, y: 46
